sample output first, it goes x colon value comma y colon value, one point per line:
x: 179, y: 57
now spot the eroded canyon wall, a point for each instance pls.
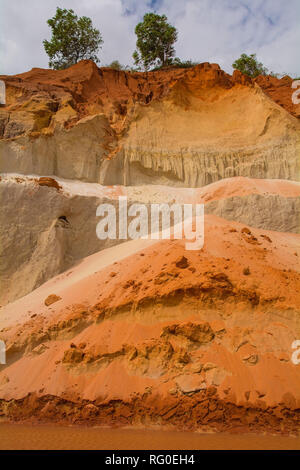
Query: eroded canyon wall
x: 180, y: 127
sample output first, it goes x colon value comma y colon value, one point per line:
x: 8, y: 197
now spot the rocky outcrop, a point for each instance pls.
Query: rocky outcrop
x: 181, y: 127
x: 74, y: 153
x: 280, y: 90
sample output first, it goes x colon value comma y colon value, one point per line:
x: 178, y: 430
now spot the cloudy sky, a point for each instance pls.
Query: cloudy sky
x: 209, y: 30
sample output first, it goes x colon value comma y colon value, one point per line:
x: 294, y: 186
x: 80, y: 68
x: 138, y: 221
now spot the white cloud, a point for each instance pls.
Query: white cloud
x: 209, y: 30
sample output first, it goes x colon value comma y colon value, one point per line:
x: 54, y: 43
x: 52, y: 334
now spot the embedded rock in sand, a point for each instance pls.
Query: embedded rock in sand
x: 208, y: 349
x: 50, y: 182
x: 51, y: 299
x: 179, y: 127
x: 48, y: 226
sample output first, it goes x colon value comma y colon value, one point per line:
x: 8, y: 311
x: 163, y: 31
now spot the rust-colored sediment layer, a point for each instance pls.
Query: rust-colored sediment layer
x: 84, y: 89
x: 202, y: 411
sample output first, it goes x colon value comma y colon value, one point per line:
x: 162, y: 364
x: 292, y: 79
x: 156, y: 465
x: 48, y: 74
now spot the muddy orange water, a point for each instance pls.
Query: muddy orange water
x: 15, y: 436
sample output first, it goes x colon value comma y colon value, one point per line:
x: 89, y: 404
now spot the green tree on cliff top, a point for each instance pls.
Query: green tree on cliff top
x: 72, y: 40
x: 249, y: 65
x: 155, y: 41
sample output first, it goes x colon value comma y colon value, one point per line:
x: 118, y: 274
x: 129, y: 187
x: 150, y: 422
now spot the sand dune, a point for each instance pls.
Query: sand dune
x: 172, y: 326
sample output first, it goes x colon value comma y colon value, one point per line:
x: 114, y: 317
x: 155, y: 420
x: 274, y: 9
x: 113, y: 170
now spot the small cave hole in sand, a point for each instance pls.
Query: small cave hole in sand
x: 63, y: 221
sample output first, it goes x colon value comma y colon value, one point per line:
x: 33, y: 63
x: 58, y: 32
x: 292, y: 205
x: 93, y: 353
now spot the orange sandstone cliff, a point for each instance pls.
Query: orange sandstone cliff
x: 144, y: 332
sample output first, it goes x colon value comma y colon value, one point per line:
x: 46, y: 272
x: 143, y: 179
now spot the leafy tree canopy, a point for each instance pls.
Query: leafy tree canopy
x: 73, y: 39
x: 115, y: 64
x: 155, y: 40
x: 177, y: 63
x: 249, y: 65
